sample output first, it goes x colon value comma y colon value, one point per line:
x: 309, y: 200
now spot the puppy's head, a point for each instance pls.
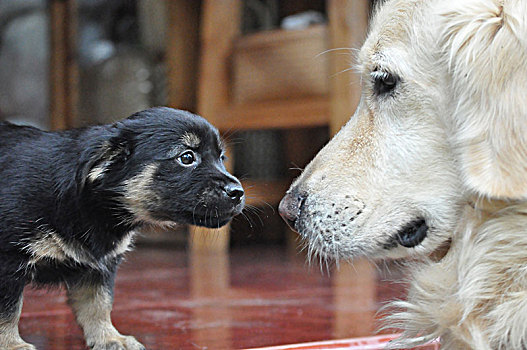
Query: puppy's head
x: 441, y: 120
x: 164, y: 166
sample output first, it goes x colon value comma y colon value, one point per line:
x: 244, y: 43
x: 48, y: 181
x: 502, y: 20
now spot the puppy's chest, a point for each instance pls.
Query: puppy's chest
x: 47, y: 247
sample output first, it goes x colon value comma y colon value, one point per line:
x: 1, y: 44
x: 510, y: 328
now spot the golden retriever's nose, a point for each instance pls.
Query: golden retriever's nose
x: 289, y: 207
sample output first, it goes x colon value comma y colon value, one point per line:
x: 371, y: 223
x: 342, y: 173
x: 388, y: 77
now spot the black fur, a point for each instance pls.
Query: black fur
x: 46, y: 188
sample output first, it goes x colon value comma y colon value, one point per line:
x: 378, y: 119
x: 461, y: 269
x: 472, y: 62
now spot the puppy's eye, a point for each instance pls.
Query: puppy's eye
x: 223, y: 157
x: 383, y: 82
x: 187, y: 158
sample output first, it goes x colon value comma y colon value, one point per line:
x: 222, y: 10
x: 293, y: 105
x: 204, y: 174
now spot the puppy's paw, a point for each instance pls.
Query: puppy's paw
x: 121, y: 343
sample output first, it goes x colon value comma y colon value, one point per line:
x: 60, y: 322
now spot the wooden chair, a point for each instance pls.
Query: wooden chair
x: 220, y: 43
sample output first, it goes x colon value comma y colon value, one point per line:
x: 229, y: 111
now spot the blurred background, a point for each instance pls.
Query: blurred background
x: 272, y: 75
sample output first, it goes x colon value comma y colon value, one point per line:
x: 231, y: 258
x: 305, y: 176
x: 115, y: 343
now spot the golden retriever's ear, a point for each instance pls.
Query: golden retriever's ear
x: 485, y: 45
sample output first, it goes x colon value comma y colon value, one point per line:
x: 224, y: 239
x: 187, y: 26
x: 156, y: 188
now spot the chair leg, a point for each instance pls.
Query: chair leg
x: 213, y: 240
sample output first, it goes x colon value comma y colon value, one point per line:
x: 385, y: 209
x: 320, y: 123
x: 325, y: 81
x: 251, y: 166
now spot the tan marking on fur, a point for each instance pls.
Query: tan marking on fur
x: 48, y: 245
x: 96, y: 172
x: 92, y: 306
x: 123, y: 246
x: 138, y: 192
x: 191, y: 140
x: 9, y: 337
x: 99, y: 170
x: 107, y: 159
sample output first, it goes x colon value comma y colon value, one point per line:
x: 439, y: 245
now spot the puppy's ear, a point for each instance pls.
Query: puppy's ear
x: 485, y: 45
x: 101, y: 156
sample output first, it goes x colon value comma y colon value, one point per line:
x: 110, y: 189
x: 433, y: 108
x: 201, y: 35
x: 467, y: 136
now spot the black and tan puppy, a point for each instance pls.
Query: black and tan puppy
x: 70, y: 202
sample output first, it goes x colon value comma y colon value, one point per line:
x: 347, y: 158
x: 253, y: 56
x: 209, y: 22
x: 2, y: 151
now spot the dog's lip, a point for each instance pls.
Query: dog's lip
x: 413, y: 233
x: 214, y: 222
x: 221, y: 218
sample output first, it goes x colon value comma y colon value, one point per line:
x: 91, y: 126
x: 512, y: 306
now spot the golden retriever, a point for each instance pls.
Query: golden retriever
x: 435, y: 154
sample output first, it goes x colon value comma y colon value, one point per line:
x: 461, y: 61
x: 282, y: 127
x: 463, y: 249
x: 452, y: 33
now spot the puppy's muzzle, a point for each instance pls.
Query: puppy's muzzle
x: 290, y: 207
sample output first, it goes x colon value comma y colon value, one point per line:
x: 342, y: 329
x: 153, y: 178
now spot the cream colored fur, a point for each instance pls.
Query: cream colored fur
x: 10, y: 339
x: 476, y: 296
x: 449, y: 146
x: 92, y: 307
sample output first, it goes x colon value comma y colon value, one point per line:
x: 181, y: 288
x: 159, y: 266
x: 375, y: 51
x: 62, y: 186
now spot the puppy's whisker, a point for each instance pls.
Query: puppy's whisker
x: 194, y: 209
x: 248, y: 220
x: 260, y: 219
x: 205, y: 216
x: 270, y: 206
x: 261, y: 201
x: 252, y: 223
x: 212, y: 217
x: 249, y: 209
x: 252, y: 212
x: 253, y: 208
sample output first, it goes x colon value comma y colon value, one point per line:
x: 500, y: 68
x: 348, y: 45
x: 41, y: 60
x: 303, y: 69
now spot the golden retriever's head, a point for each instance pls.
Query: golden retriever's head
x: 442, y: 119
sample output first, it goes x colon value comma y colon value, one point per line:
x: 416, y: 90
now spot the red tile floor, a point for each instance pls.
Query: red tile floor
x: 252, y: 297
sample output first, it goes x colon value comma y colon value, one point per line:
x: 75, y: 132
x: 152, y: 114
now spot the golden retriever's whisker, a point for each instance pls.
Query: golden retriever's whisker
x: 350, y: 50
x: 340, y: 72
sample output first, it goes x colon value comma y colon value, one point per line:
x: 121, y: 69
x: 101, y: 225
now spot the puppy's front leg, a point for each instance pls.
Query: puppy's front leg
x: 92, y: 304
x: 9, y: 316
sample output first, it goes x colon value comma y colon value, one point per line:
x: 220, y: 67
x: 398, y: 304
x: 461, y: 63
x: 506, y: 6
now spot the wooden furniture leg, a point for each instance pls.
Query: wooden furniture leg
x: 348, y: 22
x: 354, y: 287
x: 63, y: 67
x: 182, y: 52
x: 220, y: 25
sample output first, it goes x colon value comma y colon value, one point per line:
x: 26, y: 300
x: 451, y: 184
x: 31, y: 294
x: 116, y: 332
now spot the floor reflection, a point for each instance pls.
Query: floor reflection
x: 209, y: 286
x: 354, y: 292
x: 252, y: 297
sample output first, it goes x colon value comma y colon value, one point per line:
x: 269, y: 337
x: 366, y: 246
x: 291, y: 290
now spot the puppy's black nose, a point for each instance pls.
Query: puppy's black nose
x: 234, y: 191
x: 289, y: 208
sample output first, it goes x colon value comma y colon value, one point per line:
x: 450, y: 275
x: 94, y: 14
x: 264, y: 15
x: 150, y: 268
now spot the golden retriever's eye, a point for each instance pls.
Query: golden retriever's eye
x: 383, y: 82
x: 187, y: 158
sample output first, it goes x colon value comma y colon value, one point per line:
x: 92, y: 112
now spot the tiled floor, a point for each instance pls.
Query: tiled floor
x: 253, y: 297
